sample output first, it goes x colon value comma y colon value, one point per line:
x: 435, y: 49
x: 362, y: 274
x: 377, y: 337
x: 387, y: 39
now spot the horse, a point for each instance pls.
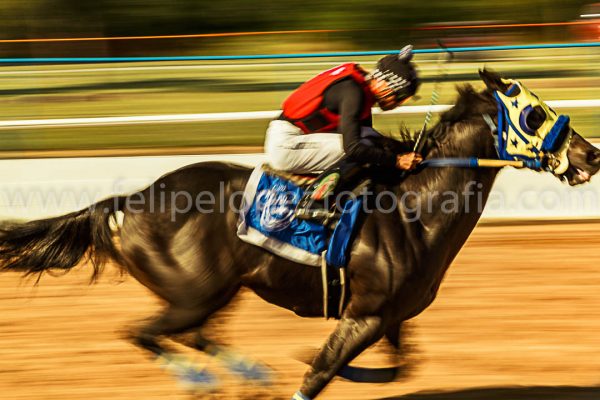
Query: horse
x: 196, y: 264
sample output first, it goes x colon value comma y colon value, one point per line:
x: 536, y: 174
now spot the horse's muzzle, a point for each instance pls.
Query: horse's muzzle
x: 584, y: 161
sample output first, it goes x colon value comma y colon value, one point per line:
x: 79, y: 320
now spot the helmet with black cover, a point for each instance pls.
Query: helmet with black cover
x: 395, y: 79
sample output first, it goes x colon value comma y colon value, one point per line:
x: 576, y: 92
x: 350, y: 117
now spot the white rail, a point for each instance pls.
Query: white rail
x: 230, y: 116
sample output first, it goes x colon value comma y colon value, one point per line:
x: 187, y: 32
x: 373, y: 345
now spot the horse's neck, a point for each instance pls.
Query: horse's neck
x: 452, y: 199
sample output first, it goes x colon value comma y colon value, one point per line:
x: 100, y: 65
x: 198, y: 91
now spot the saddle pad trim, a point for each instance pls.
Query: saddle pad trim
x: 253, y: 236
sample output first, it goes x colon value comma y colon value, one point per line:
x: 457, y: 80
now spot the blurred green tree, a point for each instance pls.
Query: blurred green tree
x: 384, y: 23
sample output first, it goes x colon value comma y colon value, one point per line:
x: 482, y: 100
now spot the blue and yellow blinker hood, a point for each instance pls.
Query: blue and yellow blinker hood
x: 518, y: 141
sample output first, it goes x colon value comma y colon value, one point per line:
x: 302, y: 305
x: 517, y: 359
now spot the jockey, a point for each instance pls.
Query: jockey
x: 326, y: 124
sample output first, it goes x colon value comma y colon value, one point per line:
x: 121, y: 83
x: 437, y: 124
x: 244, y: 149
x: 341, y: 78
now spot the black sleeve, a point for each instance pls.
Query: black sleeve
x: 351, y: 96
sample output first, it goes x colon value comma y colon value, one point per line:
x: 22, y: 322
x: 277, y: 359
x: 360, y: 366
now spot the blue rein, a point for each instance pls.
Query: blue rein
x: 474, y: 162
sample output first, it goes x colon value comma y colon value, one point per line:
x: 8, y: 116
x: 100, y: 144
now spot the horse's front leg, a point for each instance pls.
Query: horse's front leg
x: 350, y: 338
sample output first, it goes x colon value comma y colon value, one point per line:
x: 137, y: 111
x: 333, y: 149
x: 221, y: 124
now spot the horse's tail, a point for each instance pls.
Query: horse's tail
x: 61, y: 243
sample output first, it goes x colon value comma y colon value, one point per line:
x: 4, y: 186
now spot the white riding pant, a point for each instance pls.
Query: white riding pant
x: 289, y: 149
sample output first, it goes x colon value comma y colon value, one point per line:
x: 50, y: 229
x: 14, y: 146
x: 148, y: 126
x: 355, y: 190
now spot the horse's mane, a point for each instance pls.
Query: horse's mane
x: 468, y: 103
x: 402, y: 141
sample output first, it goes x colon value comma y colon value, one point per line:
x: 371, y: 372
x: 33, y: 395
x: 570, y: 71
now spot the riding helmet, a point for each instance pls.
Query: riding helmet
x: 395, y: 79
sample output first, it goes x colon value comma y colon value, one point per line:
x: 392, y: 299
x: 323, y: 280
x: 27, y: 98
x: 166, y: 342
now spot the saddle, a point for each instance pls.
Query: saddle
x: 268, y: 219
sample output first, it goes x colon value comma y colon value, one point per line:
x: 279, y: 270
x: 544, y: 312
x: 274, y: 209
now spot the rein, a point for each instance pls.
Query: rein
x: 474, y: 162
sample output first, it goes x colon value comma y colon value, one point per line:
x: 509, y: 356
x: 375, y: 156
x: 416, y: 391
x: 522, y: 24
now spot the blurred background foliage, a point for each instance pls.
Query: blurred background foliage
x: 381, y: 24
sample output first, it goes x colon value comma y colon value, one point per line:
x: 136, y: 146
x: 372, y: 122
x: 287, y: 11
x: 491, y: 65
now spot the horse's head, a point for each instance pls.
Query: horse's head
x: 536, y: 127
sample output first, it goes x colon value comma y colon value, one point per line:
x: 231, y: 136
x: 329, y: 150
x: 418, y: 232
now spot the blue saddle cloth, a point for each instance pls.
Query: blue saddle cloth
x: 267, y: 220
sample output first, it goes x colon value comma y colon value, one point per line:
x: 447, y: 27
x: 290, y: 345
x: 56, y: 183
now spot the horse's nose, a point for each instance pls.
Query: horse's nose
x: 593, y: 157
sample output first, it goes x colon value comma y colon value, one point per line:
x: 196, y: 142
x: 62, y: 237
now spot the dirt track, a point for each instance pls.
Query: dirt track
x: 520, y: 307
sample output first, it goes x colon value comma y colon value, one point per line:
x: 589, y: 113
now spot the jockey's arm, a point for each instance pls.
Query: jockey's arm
x: 351, y: 97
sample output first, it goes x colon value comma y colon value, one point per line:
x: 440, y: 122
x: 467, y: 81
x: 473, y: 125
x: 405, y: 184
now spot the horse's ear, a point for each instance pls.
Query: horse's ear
x: 492, y: 80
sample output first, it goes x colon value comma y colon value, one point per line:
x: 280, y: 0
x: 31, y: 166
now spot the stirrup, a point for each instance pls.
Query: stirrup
x: 316, y: 214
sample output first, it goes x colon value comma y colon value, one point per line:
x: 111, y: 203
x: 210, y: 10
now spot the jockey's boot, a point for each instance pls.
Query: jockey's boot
x: 320, y: 200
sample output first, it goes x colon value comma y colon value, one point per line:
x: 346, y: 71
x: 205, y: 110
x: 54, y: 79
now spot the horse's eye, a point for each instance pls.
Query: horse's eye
x: 535, y: 118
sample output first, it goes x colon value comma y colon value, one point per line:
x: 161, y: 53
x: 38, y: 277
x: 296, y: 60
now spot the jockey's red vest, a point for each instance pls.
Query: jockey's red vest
x: 304, y: 107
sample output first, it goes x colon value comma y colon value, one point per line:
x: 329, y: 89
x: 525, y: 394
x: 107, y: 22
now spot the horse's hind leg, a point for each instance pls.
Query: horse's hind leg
x: 171, y: 321
x: 350, y: 338
x: 176, y: 319
x: 181, y: 269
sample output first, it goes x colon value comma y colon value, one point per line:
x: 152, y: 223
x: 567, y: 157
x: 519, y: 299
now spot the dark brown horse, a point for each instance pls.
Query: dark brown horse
x: 194, y: 261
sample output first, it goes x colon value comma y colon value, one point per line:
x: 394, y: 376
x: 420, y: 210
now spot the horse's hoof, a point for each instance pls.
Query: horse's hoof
x: 189, y: 375
x: 251, y: 371
x: 299, y: 396
x: 174, y: 363
x: 197, y: 380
